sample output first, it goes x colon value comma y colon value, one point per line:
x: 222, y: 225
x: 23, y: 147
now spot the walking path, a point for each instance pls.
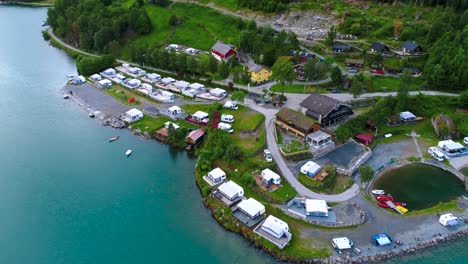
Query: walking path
x: 414, y: 136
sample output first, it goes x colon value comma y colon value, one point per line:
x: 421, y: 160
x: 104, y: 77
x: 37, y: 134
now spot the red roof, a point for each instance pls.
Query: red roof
x: 365, y: 138
x: 196, y: 134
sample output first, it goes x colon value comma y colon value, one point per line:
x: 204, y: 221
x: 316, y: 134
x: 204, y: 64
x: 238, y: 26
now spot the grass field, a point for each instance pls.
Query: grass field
x: 392, y: 84
x: 295, y: 88
x: 118, y: 92
x: 342, y: 182
x: 200, y: 28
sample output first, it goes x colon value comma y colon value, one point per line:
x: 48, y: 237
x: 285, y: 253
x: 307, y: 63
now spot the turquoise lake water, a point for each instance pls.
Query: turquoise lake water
x: 69, y: 196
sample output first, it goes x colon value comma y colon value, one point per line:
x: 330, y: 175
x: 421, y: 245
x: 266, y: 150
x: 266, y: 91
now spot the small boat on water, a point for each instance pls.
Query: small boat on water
x: 70, y: 75
x: 378, y: 192
x: 113, y: 138
x: 66, y: 96
x: 91, y: 115
x: 128, y: 152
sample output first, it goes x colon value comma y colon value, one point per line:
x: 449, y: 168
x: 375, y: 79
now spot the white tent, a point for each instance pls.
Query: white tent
x: 316, y: 207
x: 270, y: 176
x: 231, y: 190
x: 174, y: 110
x: 251, y: 207
x: 275, y: 227
x: 217, y: 175
x: 200, y: 115
x: 133, y: 115
x: 342, y: 243
x: 448, y: 220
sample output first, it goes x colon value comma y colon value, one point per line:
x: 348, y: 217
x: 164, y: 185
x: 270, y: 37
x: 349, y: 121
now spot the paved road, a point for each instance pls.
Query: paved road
x: 287, y: 174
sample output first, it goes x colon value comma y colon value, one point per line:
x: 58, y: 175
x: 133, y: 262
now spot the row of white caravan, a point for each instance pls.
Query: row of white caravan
x: 167, y: 83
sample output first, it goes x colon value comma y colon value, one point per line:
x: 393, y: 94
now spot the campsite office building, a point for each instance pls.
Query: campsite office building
x: 217, y: 175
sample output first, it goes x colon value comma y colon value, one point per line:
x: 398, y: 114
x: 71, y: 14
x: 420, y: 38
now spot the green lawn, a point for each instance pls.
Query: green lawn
x: 392, y: 84
x: 284, y: 193
x: 295, y: 88
x: 226, y: 4
x: 149, y: 124
x: 250, y: 145
x: 342, y: 183
x: 118, y: 92
x: 249, y: 121
x: 191, y: 34
x: 294, y: 146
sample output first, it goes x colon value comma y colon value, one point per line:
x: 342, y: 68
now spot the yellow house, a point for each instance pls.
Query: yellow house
x: 259, y: 73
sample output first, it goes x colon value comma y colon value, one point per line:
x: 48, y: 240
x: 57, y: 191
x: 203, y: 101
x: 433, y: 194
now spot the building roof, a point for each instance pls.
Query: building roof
x: 221, y: 48
x: 406, y: 115
x: 342, y: 242
x: 410, y: 45
x: 365, y: 137
x: 296, y: 118
x: 251, y: 206
x: 276, y: 225
x: 196, y: 85
x: 378, y: 46
x: 318, y: 135
x: 270, y: 175
x: 217, y: 173
x: 230, y: 189
x: 168, y: 80
x: 196, y: 134
x: 341, y: 46
x: 313, y: 205
x: 134, y: 112
x: 153, y: 75
x: 318, y: 104
x: 450, y: 144
x: 146, y: 86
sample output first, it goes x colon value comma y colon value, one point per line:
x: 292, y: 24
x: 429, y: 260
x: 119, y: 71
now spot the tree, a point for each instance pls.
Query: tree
x: 223, y: 70
x: 238, y: 96
x: 463, y: 100
x: 402, y: 93
x: 213, y: 65
x: 310, y: 72
x: 367, y: 173
x: 357, y: 87
x: 173, y: 20
x: 283, y: 72
x: 336, y: 76
x: 331, y: 36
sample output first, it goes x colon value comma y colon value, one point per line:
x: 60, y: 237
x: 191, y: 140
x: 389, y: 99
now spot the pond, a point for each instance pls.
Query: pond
x: 420, y: 186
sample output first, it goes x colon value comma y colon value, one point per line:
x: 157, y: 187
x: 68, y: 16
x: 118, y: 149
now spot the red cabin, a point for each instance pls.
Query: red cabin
x: 365, y: 139
x: 223, y: 51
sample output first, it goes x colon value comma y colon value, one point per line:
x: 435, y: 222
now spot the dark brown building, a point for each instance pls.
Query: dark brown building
x: 296, y: 122
x: 326, y: 110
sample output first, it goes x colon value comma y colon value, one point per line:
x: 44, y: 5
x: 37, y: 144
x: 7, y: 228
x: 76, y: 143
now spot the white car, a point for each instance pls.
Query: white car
x: 465, y: 140
x: 268, y: 156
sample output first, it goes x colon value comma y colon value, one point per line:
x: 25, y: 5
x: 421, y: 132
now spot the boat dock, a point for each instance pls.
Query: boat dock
x: 393, y: 206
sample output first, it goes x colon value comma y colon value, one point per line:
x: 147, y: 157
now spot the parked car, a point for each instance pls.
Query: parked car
x: 352, y: 71
x: 268, y: 156
x: 227, y: 127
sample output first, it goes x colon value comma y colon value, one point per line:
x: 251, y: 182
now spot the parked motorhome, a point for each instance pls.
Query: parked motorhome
x: 231, y: 105
x: 436, y: 154
x: 227, y: 127
x: 227, y: 118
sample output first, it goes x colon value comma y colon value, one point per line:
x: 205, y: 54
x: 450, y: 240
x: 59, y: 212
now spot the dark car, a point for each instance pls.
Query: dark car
x: 335, y: 91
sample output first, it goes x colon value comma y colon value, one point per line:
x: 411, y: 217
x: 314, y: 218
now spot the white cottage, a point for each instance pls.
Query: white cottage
x: 270, y: 177
x: 217, y: 175
x: 252, y: 208
x: 133, y: 115
x: 231, y: 190
x: 174, y: 110
x: 276, y: 227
